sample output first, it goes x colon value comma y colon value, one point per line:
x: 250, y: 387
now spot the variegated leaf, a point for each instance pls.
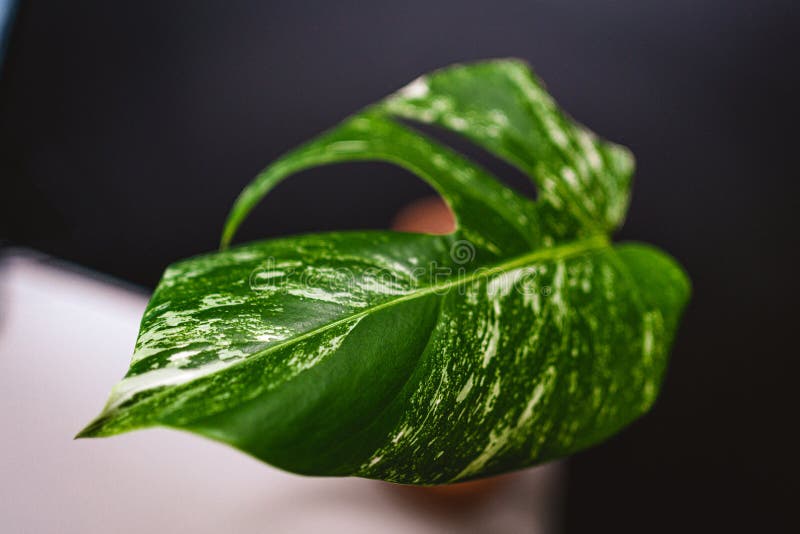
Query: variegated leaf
x: 523, y: 336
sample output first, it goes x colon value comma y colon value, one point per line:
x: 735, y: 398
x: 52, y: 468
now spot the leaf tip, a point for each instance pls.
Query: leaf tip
x: 92, y: 430
x: 98, y: 428
x: 85, y: 433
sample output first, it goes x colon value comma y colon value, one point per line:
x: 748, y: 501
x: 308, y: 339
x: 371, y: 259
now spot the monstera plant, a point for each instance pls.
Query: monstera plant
x: 522, y: 336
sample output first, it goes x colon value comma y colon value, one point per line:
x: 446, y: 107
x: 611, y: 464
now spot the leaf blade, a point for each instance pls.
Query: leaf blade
x: 501, y: 106
x: 522, y: 336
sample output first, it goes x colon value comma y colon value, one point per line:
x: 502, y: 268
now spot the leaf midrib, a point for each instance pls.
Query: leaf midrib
x: 574, y: 248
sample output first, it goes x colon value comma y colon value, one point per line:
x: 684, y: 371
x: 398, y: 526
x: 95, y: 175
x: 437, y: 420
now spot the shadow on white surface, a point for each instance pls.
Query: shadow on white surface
x: 65, y: 339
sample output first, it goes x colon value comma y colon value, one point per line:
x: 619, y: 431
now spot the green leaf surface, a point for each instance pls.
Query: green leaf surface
x: 524, y: 335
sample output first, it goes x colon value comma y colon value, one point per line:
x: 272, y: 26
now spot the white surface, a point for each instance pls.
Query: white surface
x: 65, y: 339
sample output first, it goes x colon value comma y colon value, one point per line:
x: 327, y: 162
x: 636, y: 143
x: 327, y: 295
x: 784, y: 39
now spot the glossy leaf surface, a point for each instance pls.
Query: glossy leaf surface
x: 523, y: 336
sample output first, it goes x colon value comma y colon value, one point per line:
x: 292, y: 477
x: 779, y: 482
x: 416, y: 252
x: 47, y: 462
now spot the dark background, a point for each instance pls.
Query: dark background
x: 127, y: 129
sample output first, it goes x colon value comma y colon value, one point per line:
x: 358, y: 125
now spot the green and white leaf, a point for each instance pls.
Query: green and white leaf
x: 523, y: 336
